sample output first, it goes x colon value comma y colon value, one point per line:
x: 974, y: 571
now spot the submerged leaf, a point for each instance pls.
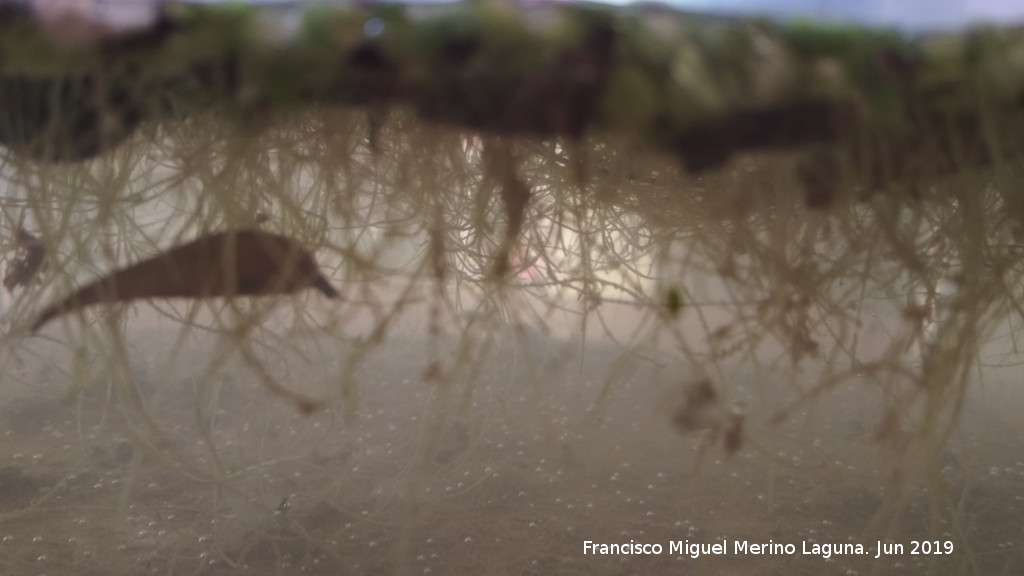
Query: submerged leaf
x: 227, y: 264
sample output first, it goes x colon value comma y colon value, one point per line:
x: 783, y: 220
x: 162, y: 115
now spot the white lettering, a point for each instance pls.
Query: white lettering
x: 695, y: 549
x: 631, y: 547
x: 827, y: 550
x: 770, y: 547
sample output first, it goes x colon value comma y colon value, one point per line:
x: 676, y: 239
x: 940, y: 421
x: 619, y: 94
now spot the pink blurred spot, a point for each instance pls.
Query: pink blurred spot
x: 83, y: 22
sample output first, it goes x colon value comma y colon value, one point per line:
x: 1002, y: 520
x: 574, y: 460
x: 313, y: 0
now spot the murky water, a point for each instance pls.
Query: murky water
x: 545, y: 457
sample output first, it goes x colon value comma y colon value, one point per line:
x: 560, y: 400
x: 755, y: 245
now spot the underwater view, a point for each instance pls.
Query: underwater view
x: 510, y: 289
x: 553, y: 455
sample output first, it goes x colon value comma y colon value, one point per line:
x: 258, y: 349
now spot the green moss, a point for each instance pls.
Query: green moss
x: 632, y: 102
x: 670, y: 78
x: 816, y: 39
